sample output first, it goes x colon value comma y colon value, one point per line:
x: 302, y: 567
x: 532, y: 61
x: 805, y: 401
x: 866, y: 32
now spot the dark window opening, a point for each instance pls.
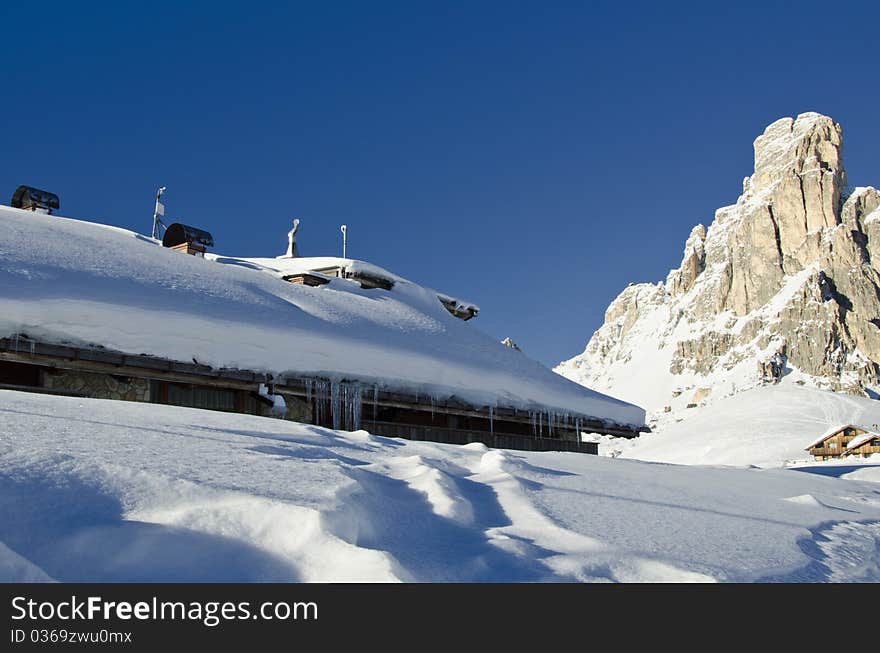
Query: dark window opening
x: 197, y: 396
x: 20, y: 374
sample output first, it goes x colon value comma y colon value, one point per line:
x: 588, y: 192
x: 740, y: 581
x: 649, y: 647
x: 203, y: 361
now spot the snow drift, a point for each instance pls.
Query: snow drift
x: 97, y: 490
x: 768, y: 427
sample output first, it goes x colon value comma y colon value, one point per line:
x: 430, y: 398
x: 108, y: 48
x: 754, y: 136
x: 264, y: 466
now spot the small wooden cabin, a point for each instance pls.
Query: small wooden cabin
x: 864, y: 445
x: 833, y: 443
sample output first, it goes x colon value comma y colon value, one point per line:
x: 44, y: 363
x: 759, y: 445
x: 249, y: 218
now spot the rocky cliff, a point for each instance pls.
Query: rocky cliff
x: 783, y: 286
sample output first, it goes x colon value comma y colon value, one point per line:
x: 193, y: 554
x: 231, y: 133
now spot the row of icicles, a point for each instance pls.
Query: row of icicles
x: 341, y: 403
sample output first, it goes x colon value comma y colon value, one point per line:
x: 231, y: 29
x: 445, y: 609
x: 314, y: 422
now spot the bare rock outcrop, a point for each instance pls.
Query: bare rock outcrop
x: 790, y: 272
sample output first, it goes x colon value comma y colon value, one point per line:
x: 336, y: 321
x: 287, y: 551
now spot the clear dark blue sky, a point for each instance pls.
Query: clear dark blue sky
x: 531, y: 157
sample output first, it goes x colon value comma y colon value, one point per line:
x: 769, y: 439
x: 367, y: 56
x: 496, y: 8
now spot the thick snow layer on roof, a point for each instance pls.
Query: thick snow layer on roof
x: 283, y: 265
x: 858, y: 441
x: 827, y: 434
x: 64, y: 280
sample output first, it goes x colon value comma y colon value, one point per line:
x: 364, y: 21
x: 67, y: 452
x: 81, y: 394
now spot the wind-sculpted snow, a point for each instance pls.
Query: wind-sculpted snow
x: 95, y: 490
x: 67, y: 281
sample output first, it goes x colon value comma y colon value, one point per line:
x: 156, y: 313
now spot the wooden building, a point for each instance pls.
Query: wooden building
x: 333, y: 355
x: 34, y: 366
x: 834, y: 443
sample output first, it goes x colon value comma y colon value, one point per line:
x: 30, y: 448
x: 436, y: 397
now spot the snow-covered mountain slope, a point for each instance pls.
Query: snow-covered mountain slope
x: 96, y: 490
x: 68, y: 281
x: 783, y: 284
x: 767, y: 426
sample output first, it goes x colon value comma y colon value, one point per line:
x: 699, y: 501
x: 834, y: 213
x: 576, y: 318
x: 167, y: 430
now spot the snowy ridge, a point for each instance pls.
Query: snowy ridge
x: 68, y: 281
x: 96, y: 490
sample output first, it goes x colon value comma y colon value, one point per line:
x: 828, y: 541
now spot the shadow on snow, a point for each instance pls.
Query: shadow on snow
x: 76, y: 532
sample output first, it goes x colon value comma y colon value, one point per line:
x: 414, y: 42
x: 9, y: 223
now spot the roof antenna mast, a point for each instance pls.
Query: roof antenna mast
x: 344, y: 230
x: 159, y: 211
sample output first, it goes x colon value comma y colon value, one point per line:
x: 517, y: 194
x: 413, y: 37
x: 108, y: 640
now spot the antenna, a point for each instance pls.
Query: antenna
x: 159, y: 211
x: 344, y: 230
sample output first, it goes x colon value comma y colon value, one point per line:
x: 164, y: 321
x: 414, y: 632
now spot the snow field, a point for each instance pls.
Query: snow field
x: 113, y: 491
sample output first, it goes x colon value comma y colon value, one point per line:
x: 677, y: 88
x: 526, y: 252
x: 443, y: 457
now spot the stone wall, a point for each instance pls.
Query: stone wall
x: 97, y: 385
x: 106, y: 386
x: 297, y: 409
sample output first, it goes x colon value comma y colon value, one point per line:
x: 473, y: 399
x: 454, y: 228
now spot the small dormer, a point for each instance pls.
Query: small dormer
x: 461, y: 310
x: 366, y: 279
x: 307, y: 278
x: 34, y: 199
x: 186, y: 239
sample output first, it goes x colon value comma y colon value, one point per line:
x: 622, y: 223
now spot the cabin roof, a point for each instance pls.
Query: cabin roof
x: 284, y: 266
x: 73, y: 282
x: 834, y: 430
x: 858, y: 441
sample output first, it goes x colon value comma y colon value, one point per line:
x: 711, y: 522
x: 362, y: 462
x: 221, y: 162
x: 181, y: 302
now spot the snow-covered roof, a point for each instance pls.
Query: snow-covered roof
x: 862, y: 439
x: 830, y: 432
x: 81, y: 283
x: 283, y: 266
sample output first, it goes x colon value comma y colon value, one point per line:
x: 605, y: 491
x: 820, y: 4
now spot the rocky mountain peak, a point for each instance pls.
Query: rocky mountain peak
x: 787, y: 273
x: 808, y: 144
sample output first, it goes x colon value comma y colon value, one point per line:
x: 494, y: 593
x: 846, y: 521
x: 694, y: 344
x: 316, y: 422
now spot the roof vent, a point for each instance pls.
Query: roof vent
x: 34, y: 199
x: 186, y: 239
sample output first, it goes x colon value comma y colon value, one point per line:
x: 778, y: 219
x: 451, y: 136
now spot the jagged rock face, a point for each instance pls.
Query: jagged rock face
x: 694, y: 262
x: 790, y: 269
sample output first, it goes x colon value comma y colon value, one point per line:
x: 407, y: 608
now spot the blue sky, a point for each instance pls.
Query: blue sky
x: 531, y: 157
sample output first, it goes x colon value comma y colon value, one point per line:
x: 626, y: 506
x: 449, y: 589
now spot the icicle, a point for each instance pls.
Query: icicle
x: 335, y: 406
x: 375, y: 402
x: 345, y: 401
x: 492, y: 421
x: 318, y: 390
